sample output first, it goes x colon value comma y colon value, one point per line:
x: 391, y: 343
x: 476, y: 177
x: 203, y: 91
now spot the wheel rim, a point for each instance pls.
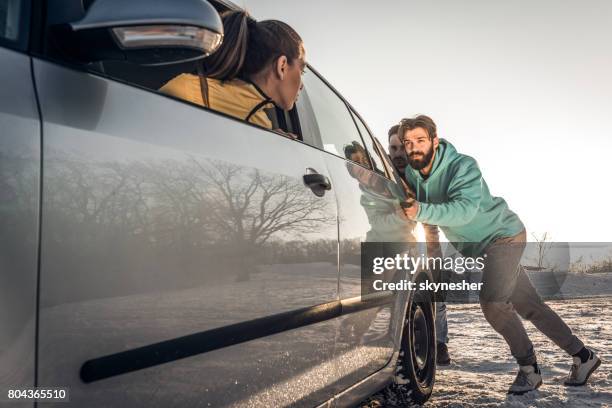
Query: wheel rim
x: 420, y: 340
x: 417, y: 364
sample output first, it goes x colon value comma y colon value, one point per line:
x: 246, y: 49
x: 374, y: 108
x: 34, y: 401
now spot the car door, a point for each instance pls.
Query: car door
x: 19, y: 205
x: 184, y: 260
x: 368, y: 206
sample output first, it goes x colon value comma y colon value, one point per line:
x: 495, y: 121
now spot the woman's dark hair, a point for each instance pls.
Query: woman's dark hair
x: 249, y: 46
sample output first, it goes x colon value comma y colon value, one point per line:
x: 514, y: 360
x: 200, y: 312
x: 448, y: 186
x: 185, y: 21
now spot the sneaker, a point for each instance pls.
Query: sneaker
x: 580, y: 372
x: 526, y: 380
x: 442, y: 357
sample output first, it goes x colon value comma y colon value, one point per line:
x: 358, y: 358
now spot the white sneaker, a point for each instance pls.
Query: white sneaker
x: 580, y: 372
x: 526, y: 380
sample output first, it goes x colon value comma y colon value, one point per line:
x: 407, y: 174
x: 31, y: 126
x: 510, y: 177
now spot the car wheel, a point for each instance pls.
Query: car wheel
x: 416, y: 367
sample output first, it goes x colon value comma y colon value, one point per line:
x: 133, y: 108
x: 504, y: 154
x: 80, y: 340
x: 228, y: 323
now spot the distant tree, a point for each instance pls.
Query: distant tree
x: 543, y: 247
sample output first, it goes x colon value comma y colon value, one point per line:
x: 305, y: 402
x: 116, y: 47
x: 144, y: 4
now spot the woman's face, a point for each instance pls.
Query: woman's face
x: 291, y: 83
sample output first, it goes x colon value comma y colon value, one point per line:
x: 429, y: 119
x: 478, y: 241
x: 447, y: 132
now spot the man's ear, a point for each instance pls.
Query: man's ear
x: 281, y: 66
x: 436, y: 142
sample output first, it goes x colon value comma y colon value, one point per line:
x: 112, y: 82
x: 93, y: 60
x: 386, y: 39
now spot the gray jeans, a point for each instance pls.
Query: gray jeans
x: 441, y: 323
x: 507, y: 293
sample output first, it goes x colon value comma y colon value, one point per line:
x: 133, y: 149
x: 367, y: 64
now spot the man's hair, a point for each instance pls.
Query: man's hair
x: 393, y: 131
x: 421, y: 121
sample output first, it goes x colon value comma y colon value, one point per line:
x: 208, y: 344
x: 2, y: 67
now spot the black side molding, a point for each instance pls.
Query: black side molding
x: 198, y: 343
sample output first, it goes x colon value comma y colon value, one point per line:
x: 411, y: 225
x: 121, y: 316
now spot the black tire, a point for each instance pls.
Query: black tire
x: 416, y: 367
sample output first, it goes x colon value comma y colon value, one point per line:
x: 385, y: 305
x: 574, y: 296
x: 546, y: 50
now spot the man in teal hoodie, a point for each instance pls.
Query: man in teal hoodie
x: 452, y: 194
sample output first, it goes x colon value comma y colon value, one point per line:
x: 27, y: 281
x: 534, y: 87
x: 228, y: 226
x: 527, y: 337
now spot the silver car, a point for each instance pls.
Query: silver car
x: 155, y: 253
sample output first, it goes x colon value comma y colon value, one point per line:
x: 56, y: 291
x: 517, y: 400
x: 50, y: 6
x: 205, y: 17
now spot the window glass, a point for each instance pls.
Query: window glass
x: 308, y: 125
x: 337, y: 129
x: 369, y: 144
x: 9, y: 19
x: 156, y: 77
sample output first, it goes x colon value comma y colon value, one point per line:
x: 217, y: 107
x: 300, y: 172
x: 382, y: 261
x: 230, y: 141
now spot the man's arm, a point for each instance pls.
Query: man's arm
x: 434, y: 249
x: 432, y: 239
x: 464, y: 195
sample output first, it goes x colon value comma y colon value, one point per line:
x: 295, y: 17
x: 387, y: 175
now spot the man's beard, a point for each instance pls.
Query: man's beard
x: 400, y: 163
x: 422, y: 161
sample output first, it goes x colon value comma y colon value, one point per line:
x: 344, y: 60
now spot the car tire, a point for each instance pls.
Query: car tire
x: 416, y: 366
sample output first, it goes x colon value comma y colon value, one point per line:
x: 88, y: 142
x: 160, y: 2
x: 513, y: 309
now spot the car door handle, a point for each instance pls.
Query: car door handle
x: 318, y: 183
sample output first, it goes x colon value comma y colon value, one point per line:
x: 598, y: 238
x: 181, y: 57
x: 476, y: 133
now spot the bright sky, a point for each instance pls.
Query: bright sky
x: 524, y: 87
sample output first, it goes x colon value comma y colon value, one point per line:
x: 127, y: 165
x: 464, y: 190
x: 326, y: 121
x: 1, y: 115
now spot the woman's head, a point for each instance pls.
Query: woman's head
x: 269, y: 53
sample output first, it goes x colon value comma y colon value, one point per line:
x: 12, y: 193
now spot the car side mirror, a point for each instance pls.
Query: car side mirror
x: 144, y: 32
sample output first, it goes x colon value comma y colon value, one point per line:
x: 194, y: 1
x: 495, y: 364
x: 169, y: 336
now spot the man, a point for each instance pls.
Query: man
x: 397, y: 153
x: 400, y: 161
x: 452, y: 194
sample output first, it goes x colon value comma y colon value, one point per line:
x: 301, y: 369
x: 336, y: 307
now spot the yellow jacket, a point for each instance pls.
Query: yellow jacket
x: 236, y: 97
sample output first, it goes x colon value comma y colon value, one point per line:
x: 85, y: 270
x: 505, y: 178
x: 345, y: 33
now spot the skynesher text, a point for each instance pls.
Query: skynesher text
x: 426, y: 285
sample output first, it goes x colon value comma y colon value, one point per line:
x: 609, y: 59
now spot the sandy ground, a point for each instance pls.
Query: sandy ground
x: 483, y: 369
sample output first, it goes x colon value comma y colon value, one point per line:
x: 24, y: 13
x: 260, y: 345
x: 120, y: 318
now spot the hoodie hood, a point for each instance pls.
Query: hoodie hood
x: 444, y: 155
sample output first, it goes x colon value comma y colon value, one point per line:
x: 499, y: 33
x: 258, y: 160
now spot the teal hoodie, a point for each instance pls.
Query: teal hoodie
x: 456, y: 198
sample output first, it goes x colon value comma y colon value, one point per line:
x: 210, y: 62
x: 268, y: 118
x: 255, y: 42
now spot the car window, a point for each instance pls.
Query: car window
x: 377, y: 161
x: 308, y: 125
x: 154, y: 78
x: 337, y: 130
x: 10, y: 11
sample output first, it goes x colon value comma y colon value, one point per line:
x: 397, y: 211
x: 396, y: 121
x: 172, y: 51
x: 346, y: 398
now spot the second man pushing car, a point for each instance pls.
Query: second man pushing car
x: 400, y: 161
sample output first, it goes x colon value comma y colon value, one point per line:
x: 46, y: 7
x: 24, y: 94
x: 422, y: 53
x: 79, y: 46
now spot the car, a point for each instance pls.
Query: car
x: 157, y: 253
